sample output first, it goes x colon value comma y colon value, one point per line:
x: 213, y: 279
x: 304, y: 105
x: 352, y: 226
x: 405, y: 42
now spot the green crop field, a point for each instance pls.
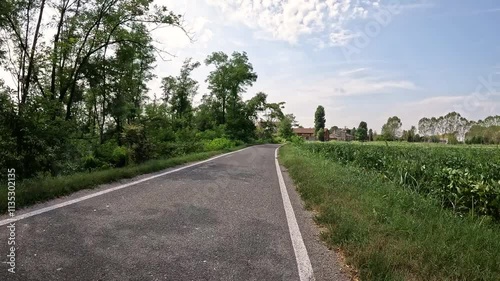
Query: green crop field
x: 463, y: 178
x: 421, y: 144
x: 403, y: 211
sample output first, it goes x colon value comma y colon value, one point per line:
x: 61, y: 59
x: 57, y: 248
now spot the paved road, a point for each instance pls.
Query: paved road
x: 220, y: 220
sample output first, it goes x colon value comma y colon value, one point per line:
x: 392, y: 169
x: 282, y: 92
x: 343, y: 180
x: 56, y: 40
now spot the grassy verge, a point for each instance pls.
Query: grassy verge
x: 29, y: 192
x: 391, y: 233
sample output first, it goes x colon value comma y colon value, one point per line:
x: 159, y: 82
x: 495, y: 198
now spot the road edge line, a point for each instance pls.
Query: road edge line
x: 302, y: 257
x: 76, y: 200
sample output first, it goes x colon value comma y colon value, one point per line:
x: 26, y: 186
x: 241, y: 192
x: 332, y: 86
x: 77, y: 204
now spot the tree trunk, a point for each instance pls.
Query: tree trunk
x: 32, y: 55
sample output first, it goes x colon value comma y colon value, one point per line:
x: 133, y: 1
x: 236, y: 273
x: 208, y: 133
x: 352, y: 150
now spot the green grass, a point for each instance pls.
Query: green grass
x: 30, y: 192
x: 391, y: 233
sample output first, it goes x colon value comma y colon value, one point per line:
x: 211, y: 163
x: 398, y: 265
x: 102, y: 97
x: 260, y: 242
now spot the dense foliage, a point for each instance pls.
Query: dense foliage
x: 458, y: 129
x: 392, y: 129
x: 479, y: 134
x: 80, y: 101
x: 466, y: 179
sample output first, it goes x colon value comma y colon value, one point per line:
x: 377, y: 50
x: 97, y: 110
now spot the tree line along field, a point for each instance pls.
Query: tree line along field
x: 465, y: 179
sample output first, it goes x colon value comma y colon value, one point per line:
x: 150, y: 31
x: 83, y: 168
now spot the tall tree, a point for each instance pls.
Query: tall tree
x: 319, y: 122
x: 424, y: 126
x: 91, y: 71
x: 392, y: 129
x: 231, y: 77
x: 362, y: 131
x: 285, y: 129
x: 179, y: 92
x: 272, y: 115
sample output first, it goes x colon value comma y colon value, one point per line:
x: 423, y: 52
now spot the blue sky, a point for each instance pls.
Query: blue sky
x: 363, y: 60
x: 408, y: 58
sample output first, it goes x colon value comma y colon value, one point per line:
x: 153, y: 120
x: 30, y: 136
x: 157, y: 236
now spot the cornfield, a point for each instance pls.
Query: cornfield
x: 463, y: 178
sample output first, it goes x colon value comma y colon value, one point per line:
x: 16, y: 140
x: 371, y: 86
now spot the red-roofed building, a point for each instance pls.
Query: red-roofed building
x: 308, y: 133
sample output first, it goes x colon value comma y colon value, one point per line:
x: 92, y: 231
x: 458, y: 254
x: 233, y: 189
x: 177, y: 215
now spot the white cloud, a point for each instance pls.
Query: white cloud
x: 291, y: 19
x: 342, y: 37
x: 352, y: 71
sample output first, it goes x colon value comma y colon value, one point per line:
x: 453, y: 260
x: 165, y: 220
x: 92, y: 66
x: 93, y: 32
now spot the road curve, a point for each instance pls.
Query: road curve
x: 221, y: 220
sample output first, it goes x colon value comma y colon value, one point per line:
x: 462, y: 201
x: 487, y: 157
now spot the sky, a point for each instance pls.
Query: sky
x: 363, y: 60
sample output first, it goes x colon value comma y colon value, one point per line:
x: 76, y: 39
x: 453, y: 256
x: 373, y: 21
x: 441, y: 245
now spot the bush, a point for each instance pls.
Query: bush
x: 217, y: 132
x: 91, y: 163
x: 297, y: 140
x: 135, y: 137
x: 104, y: 152
x: 120, y: 156
x: 219, y: 144
x: 320, y: 134
x: 277, y: 139
x: 238, y: 143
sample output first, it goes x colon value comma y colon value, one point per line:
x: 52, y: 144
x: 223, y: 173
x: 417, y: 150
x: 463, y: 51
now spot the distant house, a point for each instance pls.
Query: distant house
x: 341, y: 135
x: 308, y: 133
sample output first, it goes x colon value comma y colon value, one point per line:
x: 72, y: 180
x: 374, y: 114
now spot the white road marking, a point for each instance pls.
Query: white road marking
x: 70, y: 202
x: 303, y: 263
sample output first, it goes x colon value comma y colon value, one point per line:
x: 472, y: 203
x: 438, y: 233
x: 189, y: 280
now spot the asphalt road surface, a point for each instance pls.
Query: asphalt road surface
x: 224, y: 219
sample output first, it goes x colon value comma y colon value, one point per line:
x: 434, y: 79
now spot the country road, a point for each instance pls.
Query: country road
x: 223, y: 219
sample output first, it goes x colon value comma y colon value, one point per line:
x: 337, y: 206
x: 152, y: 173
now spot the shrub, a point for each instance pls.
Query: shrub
x: 297, y: 140
x: 277, y: 139
x: 104, y: 152
x: 218, y: 144
x: 135, y: 137
x: 120, y: 156
x: 217, y: 132
x: 238, y: 143
x: 91, y: 163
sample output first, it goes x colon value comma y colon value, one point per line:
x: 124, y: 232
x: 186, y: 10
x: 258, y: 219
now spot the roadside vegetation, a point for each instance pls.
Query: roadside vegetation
x: 79, y: 110
x: 32, y: 191
x: 464, y: 179
x: 391, y: 227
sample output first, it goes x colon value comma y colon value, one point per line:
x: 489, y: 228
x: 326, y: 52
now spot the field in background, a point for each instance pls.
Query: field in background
x: 422, y: 144
x: 385, y: 231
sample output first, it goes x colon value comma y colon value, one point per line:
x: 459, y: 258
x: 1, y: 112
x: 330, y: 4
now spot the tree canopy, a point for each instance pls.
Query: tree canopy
x: 392, y: 128
x: 362, y: 131
x: 80, y: 100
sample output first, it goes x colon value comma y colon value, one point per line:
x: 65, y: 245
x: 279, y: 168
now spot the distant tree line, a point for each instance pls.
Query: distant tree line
x: 458, y: 128
x: 451, y: 127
